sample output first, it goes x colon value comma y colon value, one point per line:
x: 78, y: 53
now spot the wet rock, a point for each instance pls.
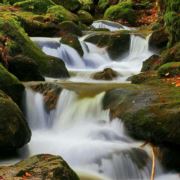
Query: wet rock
x: 151, y: 63
x: 72, y: 41
x: 24, y: 68
x: 106, y: 74
x: 158, y: 39
x: 149, y: 112
x: 43, y: 166
x: 14, y: 130
x: 50, y: 93
x: 116, y: 43
x: 11, y: 85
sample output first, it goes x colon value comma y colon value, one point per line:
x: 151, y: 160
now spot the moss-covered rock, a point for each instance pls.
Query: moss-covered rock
x: 43, y: 166
x: 11, y: 85
x: 24, y: 68
x: 38, y: 6
x: 72, y: 41
x: 61, y: 14
x: 20, y: 43
x: 169, y: 69
x: 71, y: 5
x: 14, y: 130
x: 68, y: 27
x: 150, y: 113
x: 85, y: 17
x: 103, y: 5
x: 117, y: 43
x: 122, y: 11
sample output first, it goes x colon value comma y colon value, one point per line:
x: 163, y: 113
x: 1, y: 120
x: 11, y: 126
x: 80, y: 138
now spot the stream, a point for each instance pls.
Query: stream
x: 79, y: 130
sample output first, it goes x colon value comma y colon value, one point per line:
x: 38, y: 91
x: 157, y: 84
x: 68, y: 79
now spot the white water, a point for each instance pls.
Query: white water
x: 85, y: 137
x: 96, y: 59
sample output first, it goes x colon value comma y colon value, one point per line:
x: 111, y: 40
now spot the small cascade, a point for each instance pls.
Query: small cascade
x: 84, y: 136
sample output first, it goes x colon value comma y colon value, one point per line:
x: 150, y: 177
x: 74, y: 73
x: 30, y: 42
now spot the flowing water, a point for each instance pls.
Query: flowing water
x: 79, y: 129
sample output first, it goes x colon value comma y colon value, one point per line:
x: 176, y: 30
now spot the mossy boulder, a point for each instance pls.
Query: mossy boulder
x: 14, y: 130
x: 24, y: 68
x: 85, y: 17
x: 68, y: 27
x: 61, y: 14
x: 20, y: 43
x: 11, y: 85
x: 107, y: 74
x: 150, y: 113
x: 103, y: 5
x: 72, y: 41
x: 42, y: 166
x: 71, y: 5
x: 169, y: 69
x: 158, y: 39
x: 117, y: 43
x: 38, y: 6
x: 122, y: 11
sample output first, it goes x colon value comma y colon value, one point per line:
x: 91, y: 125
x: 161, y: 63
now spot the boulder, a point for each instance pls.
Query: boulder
x: 24, y: 68
x: 43, y: 166
x: 149, y: 112
x: 116, y: 43
x: 20, y: 43
x: 11, y: 85
x: 106, y: 74
x: 72, y: 41
x: 123, y: 11
x: 14, y: 130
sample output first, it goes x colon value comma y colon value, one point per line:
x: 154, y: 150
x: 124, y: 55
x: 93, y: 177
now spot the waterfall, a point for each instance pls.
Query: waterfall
x: 84, y: 136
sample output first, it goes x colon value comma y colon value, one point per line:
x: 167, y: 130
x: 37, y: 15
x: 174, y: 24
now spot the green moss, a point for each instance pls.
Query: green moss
x: 86, y: 5
x: 61, y: 14
x: 103, y: 4
x: 38, y: 6
x: 48, y: 66
x: 123, y: 11
x: 169, y: 69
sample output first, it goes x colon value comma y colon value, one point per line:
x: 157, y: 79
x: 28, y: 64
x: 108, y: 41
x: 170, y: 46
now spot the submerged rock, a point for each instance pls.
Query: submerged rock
x: 106, y: 74
x: 14, y: 130
x: 43, y: 166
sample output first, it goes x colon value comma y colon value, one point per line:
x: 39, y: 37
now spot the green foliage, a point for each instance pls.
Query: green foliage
x: 103, y: 4
x: 38, y: 6
x: 86, y: 5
